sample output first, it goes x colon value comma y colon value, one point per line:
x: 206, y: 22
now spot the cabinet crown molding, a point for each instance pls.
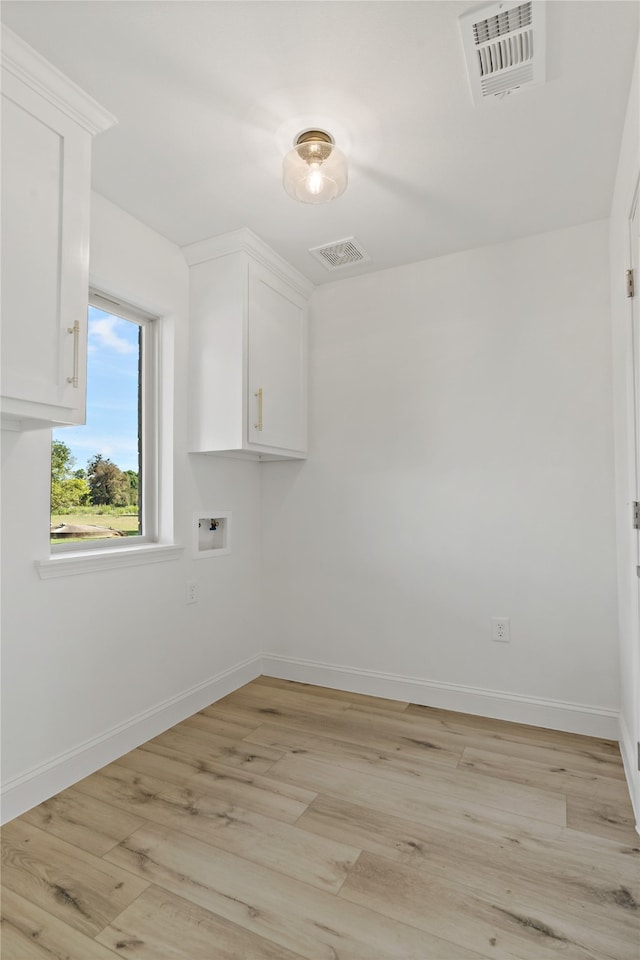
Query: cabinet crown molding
x: 246, y: 241
x: 25, y: 63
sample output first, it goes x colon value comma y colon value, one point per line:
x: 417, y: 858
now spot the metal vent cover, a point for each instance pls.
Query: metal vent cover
x: 504, y: 45
x: 506, y: 21
x: 340, y: 253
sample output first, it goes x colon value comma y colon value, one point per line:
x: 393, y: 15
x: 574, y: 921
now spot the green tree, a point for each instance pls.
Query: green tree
x: 62, y: 463
x: 67, y: 488
x: 107, y: 482
x: 133, y: 487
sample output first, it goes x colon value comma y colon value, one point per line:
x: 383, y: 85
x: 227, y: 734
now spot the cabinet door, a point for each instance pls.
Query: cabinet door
x: 45, y: 218
x: 277, y: 332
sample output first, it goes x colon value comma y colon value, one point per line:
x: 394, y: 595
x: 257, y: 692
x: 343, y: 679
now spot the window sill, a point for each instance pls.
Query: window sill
x: 91, y: 561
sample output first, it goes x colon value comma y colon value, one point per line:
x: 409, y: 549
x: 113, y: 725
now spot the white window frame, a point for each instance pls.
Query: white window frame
x: 73, y: 558
x: 148, y: 429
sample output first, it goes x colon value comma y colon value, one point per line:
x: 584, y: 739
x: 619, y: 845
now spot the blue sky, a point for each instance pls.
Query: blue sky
x: 112, y: 395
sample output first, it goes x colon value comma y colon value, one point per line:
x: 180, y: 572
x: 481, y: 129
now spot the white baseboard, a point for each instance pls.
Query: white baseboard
x: 554, y: 714
x: 628, y: 749
x: 41, y: 782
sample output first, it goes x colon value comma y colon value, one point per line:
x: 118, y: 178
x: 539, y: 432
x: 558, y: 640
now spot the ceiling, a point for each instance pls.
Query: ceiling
x: 210, y: 95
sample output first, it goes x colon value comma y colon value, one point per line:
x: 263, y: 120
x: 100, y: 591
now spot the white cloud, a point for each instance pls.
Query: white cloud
x: 105, y: 332
x: 105, y: 444
x: 123, y: 451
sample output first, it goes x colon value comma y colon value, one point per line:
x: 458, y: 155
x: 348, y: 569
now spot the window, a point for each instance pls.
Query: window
x: 104, y: 474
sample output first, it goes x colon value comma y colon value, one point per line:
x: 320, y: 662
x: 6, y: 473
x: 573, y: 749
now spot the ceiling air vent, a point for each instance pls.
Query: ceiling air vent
x: 504, y: 45
x: 340, y: 253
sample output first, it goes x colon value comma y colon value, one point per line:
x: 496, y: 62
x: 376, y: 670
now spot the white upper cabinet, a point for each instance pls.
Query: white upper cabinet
x: 47, y: 128
x: 277, y: 359
x: 248, y: 373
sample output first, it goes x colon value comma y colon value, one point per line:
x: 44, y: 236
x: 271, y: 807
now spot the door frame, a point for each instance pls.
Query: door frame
x: 630, y: 725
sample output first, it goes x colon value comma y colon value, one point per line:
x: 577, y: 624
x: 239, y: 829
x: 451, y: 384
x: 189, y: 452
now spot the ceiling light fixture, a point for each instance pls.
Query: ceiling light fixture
x: 315, y: 170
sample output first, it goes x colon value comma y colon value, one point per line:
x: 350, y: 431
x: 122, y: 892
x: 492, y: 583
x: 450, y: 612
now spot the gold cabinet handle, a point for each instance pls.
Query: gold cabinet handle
x: 75, y: 330
x: 258, y: 394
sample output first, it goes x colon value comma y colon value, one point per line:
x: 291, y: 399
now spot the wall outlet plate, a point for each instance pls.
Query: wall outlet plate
x: 500, y: 629
x: 191, y: 592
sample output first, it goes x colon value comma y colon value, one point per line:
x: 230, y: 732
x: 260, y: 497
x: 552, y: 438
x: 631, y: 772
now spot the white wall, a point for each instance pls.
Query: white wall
x: 94, y: 664
x: 461, y: 468
x: 627, y: 488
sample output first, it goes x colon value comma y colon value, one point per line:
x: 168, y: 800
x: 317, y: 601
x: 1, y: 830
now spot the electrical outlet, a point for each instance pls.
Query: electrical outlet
x: 500, y: 629
x: 191, y: 593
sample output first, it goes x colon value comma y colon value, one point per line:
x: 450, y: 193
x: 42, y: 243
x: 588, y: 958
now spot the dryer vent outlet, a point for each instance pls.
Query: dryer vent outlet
x: 340, y: 254
x: 504, y: 47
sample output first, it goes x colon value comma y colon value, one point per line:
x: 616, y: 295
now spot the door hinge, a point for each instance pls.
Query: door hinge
x: 631, y: 290
x: 635, y: 507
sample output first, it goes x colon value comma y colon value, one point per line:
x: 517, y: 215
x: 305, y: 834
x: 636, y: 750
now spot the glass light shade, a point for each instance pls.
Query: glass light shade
x: 315, y: 170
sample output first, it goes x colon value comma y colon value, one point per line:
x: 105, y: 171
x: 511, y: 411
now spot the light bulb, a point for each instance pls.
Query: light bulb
x: 314, y: 179
x: 315, y: 170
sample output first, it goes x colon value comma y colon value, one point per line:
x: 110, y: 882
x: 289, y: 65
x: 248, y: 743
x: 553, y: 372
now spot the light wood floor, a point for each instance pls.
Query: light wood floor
x: 291, y: 821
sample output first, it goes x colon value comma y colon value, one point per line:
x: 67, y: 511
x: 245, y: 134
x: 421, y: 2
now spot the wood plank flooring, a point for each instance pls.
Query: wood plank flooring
x: 292, y: 822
